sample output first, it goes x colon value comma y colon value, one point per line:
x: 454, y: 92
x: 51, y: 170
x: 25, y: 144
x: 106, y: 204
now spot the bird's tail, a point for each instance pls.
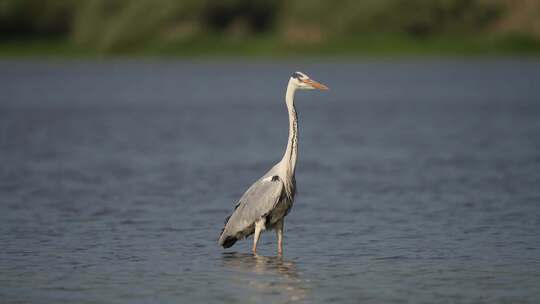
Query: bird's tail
x: 226, y: 241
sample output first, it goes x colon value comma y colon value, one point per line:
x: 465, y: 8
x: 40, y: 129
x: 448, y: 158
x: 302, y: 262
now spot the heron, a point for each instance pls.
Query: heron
x: 267, y: 201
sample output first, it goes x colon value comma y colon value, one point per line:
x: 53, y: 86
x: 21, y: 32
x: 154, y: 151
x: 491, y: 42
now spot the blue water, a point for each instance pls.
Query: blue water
x: 418, y: 181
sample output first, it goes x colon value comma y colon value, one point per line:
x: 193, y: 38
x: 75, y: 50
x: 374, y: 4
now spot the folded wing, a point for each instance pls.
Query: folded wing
x: 258, y: 201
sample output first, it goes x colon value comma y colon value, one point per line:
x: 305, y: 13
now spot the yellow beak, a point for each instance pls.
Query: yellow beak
x: 315, y: 84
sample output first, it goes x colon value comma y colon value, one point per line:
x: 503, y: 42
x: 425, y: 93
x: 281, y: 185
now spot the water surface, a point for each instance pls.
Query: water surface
x: 418, y: 181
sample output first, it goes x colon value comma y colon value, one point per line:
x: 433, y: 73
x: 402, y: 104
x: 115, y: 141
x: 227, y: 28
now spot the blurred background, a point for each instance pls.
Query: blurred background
x: 269, y: 28
x: 130, y: 128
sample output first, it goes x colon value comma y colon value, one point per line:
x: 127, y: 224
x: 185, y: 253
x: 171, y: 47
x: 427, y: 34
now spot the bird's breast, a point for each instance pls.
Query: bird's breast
x: 281, y: 210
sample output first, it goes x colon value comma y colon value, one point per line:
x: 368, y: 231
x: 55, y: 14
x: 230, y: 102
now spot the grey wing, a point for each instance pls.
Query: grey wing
x: 258, y: 201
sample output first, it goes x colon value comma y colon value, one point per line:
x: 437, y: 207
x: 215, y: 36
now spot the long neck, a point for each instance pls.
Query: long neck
x: 290, y: 156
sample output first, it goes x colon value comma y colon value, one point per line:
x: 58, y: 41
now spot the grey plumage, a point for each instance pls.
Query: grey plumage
x: 265, y: 204
x: 266, y: 199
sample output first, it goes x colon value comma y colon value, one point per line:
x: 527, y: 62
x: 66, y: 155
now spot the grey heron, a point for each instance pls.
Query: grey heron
x: 266, y: 203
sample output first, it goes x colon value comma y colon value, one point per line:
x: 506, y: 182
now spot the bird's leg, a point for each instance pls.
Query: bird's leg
x: 279, y: 233
x: 259, y: 227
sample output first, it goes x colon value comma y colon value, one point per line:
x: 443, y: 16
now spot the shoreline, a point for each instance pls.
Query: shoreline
x: 370, y: 46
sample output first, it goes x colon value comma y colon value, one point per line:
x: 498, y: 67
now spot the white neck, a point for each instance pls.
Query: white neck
x: 288, y: 162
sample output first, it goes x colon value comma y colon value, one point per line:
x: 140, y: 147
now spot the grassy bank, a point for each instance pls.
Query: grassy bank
x: 373, y: 45
x: 260, y: 28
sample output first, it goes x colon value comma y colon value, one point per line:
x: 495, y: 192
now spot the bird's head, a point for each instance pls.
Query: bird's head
x: 303, y: 82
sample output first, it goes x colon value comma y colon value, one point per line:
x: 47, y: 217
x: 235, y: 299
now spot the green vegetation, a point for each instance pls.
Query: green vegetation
x: 103, y: 28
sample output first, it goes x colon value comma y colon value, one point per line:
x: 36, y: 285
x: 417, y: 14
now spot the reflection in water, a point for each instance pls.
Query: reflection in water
x: 273, y: 277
